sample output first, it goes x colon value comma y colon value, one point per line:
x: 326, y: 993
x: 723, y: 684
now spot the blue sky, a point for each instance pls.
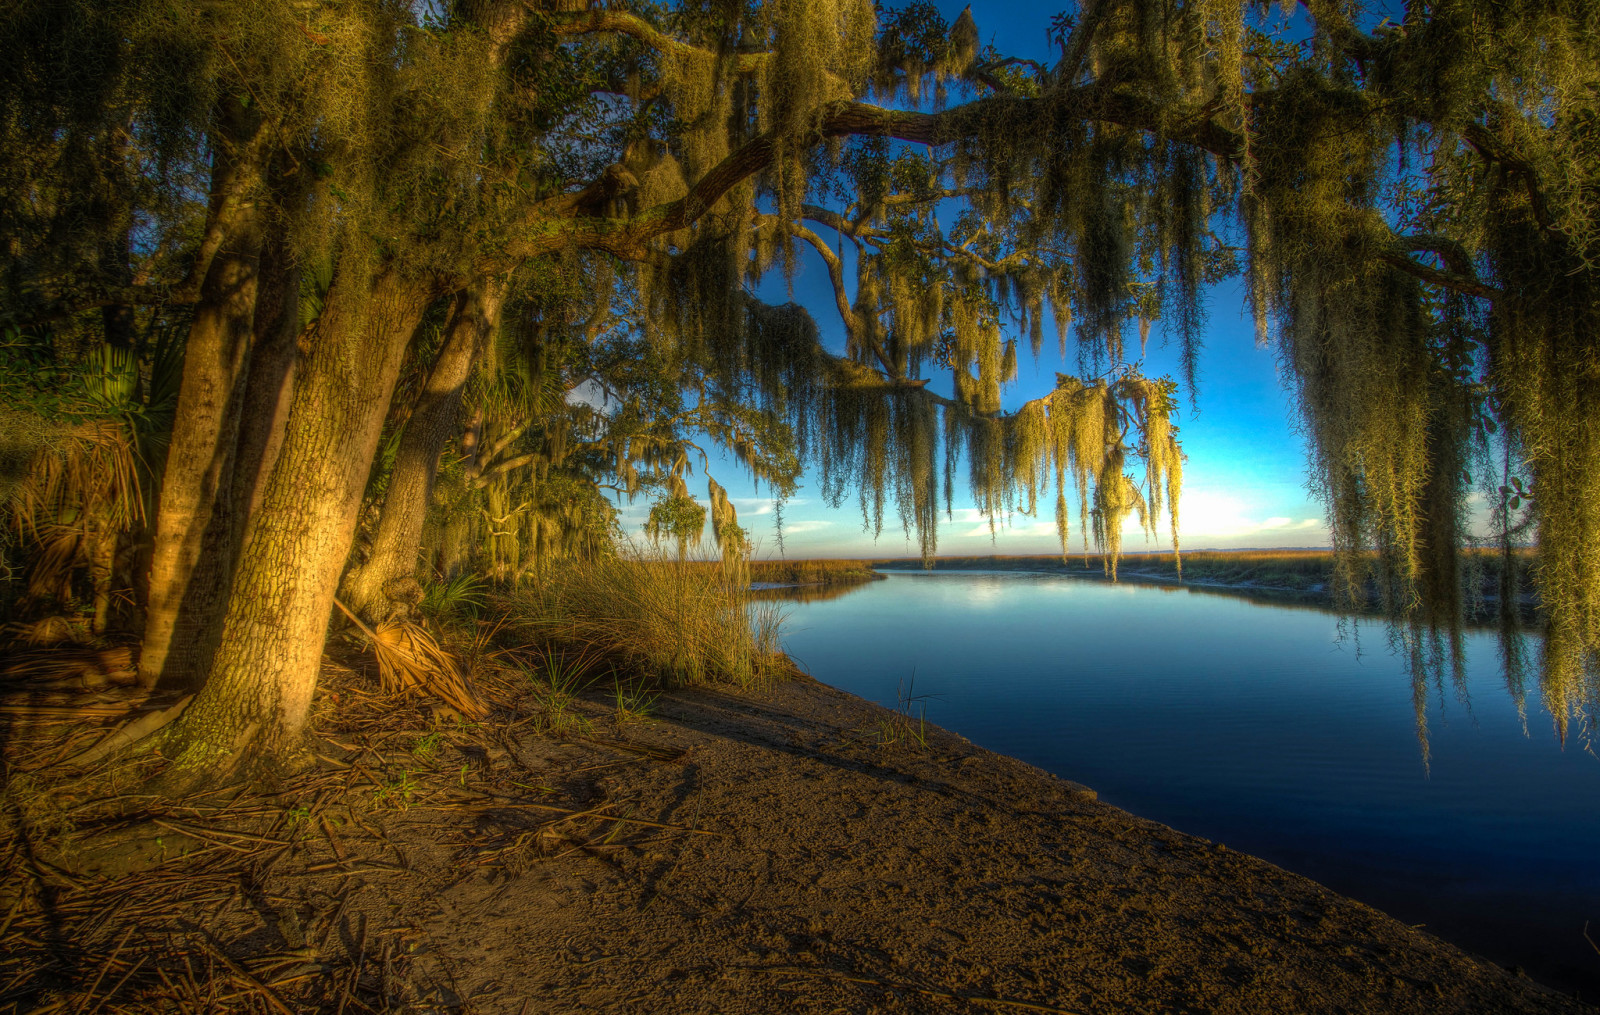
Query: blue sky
x: 1245, y: 474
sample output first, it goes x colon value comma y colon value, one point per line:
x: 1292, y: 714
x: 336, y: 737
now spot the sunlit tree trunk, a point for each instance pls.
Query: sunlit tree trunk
x: 191, y: 554
x: 252, y: 711
x: 398, y: 540
x: 270, y: 384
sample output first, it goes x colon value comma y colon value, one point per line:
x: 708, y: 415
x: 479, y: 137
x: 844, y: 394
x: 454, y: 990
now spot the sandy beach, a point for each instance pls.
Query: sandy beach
x: 790, y: 850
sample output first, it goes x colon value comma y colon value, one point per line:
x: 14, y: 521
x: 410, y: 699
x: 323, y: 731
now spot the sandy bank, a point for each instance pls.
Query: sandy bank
x: 785, y: 851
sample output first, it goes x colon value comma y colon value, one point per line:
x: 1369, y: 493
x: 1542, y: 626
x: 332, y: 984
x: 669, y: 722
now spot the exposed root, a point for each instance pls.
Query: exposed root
x: 128, y: 734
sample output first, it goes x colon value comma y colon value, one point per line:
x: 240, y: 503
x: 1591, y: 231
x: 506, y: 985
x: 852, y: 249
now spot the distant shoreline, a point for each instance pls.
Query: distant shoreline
x: 1301, y: 577
x: 1285, y: 577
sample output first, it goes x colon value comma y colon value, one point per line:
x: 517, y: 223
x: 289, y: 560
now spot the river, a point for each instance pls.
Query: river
x: 1275, y: 730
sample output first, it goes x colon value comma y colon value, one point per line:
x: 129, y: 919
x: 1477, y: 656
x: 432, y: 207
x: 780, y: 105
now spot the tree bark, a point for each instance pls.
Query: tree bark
x: 251, y: 713
x: 398, y: 541
x: 270, y: 386
x: 191, y: 554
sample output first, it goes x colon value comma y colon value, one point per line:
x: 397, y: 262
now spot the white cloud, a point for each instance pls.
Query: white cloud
x: 589, y: 393
x: 797, y: 528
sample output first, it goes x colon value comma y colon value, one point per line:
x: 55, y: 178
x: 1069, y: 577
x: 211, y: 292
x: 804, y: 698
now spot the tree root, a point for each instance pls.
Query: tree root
x: 128, y: 734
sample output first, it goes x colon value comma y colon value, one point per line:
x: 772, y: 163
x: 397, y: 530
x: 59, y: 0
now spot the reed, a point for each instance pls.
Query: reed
x: 677, y: 623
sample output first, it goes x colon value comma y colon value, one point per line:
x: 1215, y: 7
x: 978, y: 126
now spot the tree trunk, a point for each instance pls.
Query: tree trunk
x: 251, y: 713
x: 398, y: 540
x: 270, y: 387
x: 191, y: 554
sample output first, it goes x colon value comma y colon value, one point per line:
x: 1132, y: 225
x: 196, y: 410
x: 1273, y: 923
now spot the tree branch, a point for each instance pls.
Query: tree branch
x: 599, y: 21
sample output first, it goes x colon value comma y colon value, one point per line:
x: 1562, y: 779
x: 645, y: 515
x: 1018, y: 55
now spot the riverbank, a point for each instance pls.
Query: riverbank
x: 794, y: 849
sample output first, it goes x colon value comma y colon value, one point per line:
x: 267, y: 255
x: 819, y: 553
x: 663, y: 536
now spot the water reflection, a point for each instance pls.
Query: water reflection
x: 1280, y: 730
x: 817, y: 593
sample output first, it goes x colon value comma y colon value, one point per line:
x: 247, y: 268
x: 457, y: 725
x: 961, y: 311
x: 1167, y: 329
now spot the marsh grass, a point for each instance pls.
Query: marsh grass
x: 563, y: 672
x: 669, y: 622
x: 907, y: 725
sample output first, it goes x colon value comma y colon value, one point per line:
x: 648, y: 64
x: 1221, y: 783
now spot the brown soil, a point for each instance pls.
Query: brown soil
x: 792, y: 850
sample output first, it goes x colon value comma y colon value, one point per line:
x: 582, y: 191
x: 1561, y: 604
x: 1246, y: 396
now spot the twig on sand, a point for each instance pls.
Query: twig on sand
x: 104, y: 968
x: 245, y: 978
x: 834, y: 974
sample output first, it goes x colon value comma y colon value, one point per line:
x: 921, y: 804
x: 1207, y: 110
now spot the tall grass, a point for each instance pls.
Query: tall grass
x: 674, y: 622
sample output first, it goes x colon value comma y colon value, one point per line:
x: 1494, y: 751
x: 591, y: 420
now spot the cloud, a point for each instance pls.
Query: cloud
x: 798, y: 528
x: 591, y: 394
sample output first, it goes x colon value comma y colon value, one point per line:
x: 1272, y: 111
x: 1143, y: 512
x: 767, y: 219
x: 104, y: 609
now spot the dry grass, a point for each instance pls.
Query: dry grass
x: 677, y: 623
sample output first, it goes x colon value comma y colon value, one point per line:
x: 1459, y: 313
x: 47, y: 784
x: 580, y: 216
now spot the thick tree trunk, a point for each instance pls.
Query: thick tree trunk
x: 398, y: 540
x: 253, y: 708
x: 191, y: 555
x: 270, y: 386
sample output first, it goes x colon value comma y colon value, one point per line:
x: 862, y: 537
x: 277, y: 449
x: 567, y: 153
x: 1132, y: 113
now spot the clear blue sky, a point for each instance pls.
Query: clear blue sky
x: 1244, y: 480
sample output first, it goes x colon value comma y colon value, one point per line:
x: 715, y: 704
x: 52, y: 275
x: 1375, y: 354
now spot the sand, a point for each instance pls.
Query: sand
x: 790, y: 850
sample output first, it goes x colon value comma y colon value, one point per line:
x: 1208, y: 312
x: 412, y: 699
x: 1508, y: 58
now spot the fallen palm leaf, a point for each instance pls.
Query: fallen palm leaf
x: 409, y: 659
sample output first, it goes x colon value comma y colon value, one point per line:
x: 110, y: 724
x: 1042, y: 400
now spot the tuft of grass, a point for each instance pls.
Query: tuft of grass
x: 672, y: 622
x: 560, y: 675
x: 635, y: 701
x: 399, y: 793
x: 426, y: 747
x: 908, y: 724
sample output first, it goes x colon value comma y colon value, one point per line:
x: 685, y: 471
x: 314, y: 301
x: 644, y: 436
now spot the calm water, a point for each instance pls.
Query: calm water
x: 1256, y: 726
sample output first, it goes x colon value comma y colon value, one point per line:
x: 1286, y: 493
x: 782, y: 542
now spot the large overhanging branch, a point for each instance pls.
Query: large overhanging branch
x: 555, y: 226
x: 628, y: 239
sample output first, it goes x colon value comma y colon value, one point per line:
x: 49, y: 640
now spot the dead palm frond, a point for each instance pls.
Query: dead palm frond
x: 411, y: 659
x: 68, y: 669
x: 53, y: 630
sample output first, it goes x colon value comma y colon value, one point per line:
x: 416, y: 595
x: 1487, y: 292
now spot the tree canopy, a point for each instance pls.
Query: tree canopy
x: 382, y: 231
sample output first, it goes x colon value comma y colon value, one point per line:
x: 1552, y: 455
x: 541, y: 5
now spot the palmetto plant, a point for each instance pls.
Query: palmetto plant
x: 81, y: 438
